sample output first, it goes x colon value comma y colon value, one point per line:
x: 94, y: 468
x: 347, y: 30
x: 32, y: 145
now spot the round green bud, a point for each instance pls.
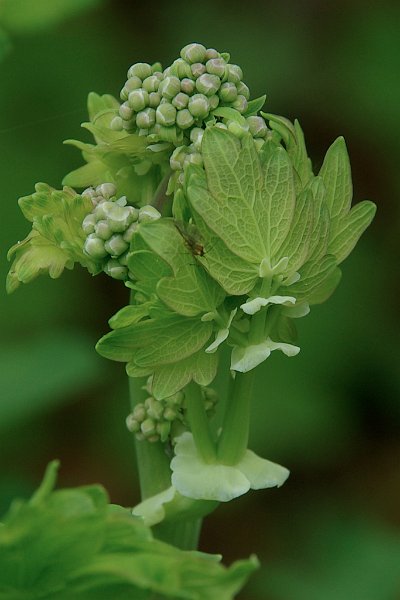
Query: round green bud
x: 115, y: 270
x: 141, y: 70
x: 243, y: 90
x: 169, y: 87
x: 94, y: 247
x: 89, y: 193
x: 154, y: 99
x: 88, y: 223
x: 101, y: 210
x: 208, y: 84
x: 177, y: 158
x: 198, y: 69
x: 196, y: 136
x: 211, y: 53
x: 195, y: 158
x: 132, y: 425
x: 125, y: 111
x: 119, y: 218
x: 146, y: 118
x: 107, y: 190
x: 116, y: 124
x: 235, y: 73
x: 180, y: 101
x: 216, y: 66
x: 194, y: 53
x: 170, y: 414
x: 257, y: 126
x: 138, y: 99
x: 237, y: 129
x: 214, y: 101
x: 240, y: 104
x: 103, y: 230
x: 154, y: 408
x: 181, y: 68
x: 128, y: 235
x: 188, y: 86
x: 116, y: 245
x: 148, y: 213
x: 123, y: 259
x: 199, y: 106
x: 150, y: 84
x: 184, y: 119
x: 148, y: 427
x: 139, y: 412
x: 156, y: 68
x: 228, y: 92
x: 176, y: 399
x: 133, y: 83
x: 166, y: 115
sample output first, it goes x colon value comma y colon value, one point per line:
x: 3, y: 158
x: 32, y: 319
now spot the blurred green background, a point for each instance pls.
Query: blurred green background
x: 332, y: 414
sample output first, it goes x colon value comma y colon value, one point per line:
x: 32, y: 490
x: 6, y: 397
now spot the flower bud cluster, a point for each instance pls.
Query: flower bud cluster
x: 168, y: 104
x: 110, y: 226
x: 157, y: 420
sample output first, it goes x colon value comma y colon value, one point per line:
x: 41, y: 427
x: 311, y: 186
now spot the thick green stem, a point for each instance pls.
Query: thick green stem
x: 235, y: 432
x: 199, y: 423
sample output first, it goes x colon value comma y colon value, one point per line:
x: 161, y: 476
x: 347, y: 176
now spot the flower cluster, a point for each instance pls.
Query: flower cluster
x: 155, y: 420
x: 110, y: 227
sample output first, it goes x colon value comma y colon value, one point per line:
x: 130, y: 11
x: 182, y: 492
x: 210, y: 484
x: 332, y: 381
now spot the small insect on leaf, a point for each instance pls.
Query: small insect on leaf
x: 191, y: 236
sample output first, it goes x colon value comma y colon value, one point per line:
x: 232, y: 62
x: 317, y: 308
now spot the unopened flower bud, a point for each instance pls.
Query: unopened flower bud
x: 154, y: 408
x: 180, y: 101
x: 103, y: 230
x: 194, y: 53
x: 196, y: 136
x: 235, y: 73
x: 187, y: 86
x: 181, y: 68
x: 139, y: 412
x: 199, y: 106
x: 125, y: 111
x: 107, y: 190
x: 170, y: 414
x: 228, y: 92
x: 151, y: 84
x: 211, y: 53
x: 237, y: 129
x: 148, y: 427
x: 141, y: 70
x: 166, y: 115
x: 163, y: 429
x: 94, y: 247
x: 154, y: 99
x: 184, y: 119
x: 146, y: 118
x: 132, y: 424
x: 208, y: 84
x: 114, y: 269
x: 133, y: 83
x: 128, y: 235
x: 148, y: 213
x: 156, y: 68
x: 116, y: 124
x: 243, y: 90
x: 88, y: 223
x: 169, y: 87
x: 216, y: 66
x: 138, y: 99
x: 119, y: 217
x: 116, y: 245
x: 198, y: 69
x: 177, y: 158
x: 240, y: 104
x: 259, y: 143
x: 214, y: 101
x: 257, y: 126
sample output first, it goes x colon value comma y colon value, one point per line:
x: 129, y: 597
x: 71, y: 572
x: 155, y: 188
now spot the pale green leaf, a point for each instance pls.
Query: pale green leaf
x: 92, y: 174
x: 351, y: 228
x: 336, y: 175
x: 318, y: 280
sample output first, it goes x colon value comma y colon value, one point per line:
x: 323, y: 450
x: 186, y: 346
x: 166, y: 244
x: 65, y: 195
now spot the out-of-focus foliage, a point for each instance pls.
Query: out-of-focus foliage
x: 332, y: 414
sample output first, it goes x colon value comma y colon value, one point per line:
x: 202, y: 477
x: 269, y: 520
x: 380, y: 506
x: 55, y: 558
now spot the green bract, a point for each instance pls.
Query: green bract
x: 72, y: 544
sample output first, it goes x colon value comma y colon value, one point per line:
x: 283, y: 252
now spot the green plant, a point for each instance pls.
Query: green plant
x: 209, y: 211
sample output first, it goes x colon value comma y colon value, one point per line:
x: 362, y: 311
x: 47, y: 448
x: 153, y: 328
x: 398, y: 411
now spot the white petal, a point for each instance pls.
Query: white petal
x: 245, y: 359
x: 287, y: 349
x: 152, y: 509
x: 221, y: 336
x: 253, y: 306
x: 194, y: 478
x: 262, y: 473
x: 298, y: 311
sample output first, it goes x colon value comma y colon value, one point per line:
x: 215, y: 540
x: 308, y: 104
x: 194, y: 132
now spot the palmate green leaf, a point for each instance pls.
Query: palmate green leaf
x: 346, y: 225
x: 318, y: 280
x: 56, y: 240
x: 154, y: 342
x: 200, y: 367
x: 190, y: 291
x: 71, y: 544
x: 249, y: 206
